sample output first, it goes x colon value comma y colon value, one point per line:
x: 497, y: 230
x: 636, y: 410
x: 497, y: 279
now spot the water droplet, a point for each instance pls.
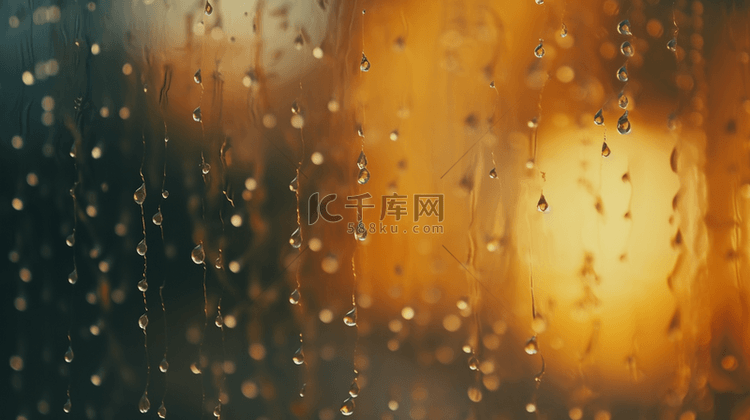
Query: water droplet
x: 70, y: 240
x: 205, y: 168
x: 296, y: 239
x: 539, y: 50
x: 73, y: 150
x: 493, y: 173
x: 294, y: 184
x: 144, y: 404
x: 157, y: 218
x: 531, y: 346
x: 163, y: 365
x: 605, y: 150
x: 564, y: 31
x: 164, y: 194
x: 73, y: 277
x: 473, y: 363
x: 143, y: 321
x: 360, y: 131
x: 197, y: 78
x: 626, y: 49
x: 217, y: 411
x: 209, y: 9
x: 298, y: 357
x: 542, y: 205
x: 347, y: 408
x: 672, y: 45
x: 539, y: 1
x: 364, y: 65
x: 624, y: 28
x: 350, y: 318
x: 67, y: 406
x: 198, y: 255
x: 141, y: 248
x: 622, y: 100
x: 302, y: 390
x: 162, y: 411
x: 298, y: 42
x: 219, y: 321
x: 672, y: 122
x: 364, y: 176
x: 361, y: 160
x: 599, y: 118
x: 69, y: 355
x: 143, y: 285
x: 361, y: 232
x: 197, y: 114
x: 354, y: 389
x: 140, y: 194
x: 623, y: 125
x: 294, y: 297
x: 622, y: 73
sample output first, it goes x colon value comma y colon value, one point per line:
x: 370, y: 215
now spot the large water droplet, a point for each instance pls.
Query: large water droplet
x: 67, y: 406
x: 219, y: 321
x: 394, y: 135
x: 294, y: 297
x: 672, y: 45
x: 296, y: 239
x: 531, y: 346
x: 205, y: 168
x: 362, y: 160
x: 143, y: 321
x: 539, y: 50
x: 364, y: 65
x: 623, y: 125
x: 542, y: 205
x: 622, y: 73
x: 144, y: 404
x: 197, y: 78
x: 626, y: 49
x: 473, y: 363
x: 599, y: 118
x: 141, y: 248
x: 162, y: 411
x: 493, y: 173
x: 605, y: 150
x: 157, y: 218
x: 198, y: 255
x: 140, y: 194
x: 622, y: 100
x: 143, y: 285
x: 624, y: 28
x: 209, y: 9
x: 354, y: 389
x: 361, y: 231
x: 73, y: 277
x: 539, y: 1
x: 298, y: 357
x: 347, y: 408
x: 70, y: 240
x: 163, y: 365
x: 69, y: 355
x: 364, y: 176
x: 197, y: 114
x: 350, y: 318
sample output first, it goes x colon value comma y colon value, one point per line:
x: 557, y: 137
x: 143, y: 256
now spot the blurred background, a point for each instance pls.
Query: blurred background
x: 211, y: 209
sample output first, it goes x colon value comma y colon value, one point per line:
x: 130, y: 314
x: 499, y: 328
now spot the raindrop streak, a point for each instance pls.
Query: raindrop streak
x: 299, y: 357
x: 605, y: 150
x: 626, y: 49
x: 209, y: 9
x: 197, y: 114
x: 347, y: 408
x: 622, y: 100
x: 622, y: 74
x: 623, y: 125
x: 672, y: 45
x: 198, y: 255
x: 539, y: 50
x: 364, y: 176
x: 350, y: 318
x: 296, y: 239
x: 294, y: 297
x: 364, y: 65
x: 624, y: 28
x: 144, y: 404
x: 542, y: 205
x: 197, y: 77
x: 599, y: 118
x: 531, y: 347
